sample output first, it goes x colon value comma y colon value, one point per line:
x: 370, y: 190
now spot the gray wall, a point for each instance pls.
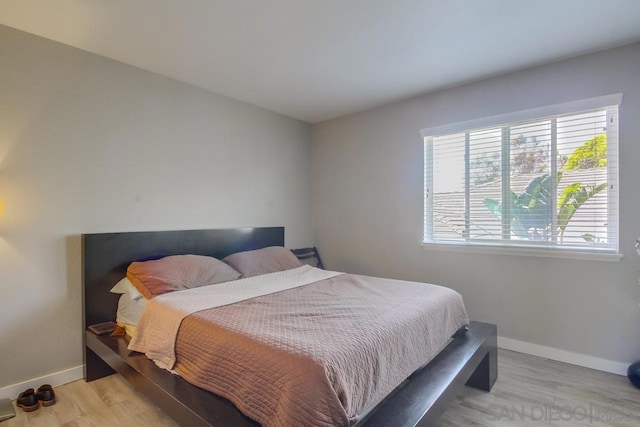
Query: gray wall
x: 88, y: 144
x: 368, y: 208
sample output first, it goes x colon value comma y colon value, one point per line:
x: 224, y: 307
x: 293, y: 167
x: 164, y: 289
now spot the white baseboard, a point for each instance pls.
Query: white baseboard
x: 564, y: 356
x: 55, y: 379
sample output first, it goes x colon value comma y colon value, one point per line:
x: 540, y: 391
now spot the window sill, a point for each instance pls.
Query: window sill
x: 488, y: 249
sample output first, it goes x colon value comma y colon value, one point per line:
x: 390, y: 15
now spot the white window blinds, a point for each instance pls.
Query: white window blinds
x: 548, y: 181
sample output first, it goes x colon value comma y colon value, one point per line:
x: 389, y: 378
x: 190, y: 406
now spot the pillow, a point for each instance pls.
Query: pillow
x: 130, y: 310
x: 263, y: 261
x: 178, y: 272
x: 125, y: 286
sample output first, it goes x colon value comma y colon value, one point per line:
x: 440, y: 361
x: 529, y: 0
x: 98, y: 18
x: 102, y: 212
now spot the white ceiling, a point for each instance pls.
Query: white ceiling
x: 315, y: 60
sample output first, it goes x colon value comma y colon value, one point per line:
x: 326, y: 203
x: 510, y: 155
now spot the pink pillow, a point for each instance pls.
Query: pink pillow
x: 263, y: 261
x: 177, y: 272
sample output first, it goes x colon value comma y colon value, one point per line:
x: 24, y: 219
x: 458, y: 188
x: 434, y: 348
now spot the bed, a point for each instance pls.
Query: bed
x: 470, y: 358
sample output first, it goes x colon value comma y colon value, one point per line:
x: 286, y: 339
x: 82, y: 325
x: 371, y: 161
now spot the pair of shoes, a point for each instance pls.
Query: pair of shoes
x: 29, y: 400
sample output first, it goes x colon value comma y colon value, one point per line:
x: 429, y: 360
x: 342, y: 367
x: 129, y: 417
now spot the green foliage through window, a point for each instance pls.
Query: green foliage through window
x: 530, y: 211
x: 592, y: 154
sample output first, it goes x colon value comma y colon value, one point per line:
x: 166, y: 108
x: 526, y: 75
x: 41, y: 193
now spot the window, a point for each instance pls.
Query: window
x: 543, y: 178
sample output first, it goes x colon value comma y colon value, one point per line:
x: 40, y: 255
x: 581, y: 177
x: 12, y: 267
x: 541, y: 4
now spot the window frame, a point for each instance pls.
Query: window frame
x: 515, y: 247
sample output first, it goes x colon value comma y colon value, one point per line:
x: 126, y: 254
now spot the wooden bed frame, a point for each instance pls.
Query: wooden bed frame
x: 471, y: 358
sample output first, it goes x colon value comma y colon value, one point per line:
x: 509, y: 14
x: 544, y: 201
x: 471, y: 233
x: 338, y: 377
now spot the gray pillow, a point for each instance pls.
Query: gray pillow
x: 263, y: 261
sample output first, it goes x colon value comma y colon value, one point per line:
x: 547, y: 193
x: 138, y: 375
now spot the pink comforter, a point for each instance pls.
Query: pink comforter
x: 320, y: 354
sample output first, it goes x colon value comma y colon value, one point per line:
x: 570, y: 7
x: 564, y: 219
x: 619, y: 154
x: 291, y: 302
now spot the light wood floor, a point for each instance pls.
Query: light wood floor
x: 529, y: 391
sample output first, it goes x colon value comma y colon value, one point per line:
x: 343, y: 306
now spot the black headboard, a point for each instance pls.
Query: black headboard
x: 105, y: 257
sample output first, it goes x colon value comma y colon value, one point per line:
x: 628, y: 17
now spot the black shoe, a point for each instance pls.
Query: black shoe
x: 46, y: 395
x: 28, y: 401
